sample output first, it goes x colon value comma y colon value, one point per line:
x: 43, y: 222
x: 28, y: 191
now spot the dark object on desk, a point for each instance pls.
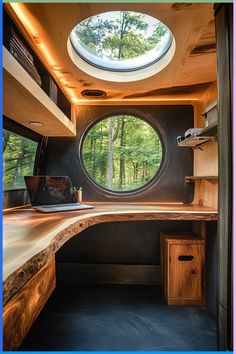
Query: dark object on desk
x: 52, y: 193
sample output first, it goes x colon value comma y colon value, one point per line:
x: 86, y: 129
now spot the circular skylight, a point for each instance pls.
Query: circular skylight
x: 121, y: 42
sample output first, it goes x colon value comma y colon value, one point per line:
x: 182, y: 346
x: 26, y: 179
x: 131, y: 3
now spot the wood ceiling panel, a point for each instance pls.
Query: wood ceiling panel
x: 192, y: 25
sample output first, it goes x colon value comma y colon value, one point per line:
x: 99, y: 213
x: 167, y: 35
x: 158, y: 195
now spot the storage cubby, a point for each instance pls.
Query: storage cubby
x: 28, y: 97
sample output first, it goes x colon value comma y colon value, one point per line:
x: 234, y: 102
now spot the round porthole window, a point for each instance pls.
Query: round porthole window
x: 121, y: 153
x: 121, y: 45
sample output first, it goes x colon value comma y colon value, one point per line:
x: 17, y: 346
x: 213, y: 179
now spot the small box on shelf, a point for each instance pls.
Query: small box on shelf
x: 210, y: 114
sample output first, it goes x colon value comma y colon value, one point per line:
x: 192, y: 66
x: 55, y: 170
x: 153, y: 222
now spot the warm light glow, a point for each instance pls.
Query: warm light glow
x: 22, y: 14
x: 136, y: 100
x: 32, y: 27
x: 36, y: 124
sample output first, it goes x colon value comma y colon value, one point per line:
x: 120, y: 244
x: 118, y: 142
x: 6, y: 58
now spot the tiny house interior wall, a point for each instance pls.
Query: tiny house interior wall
x: 168, y: 185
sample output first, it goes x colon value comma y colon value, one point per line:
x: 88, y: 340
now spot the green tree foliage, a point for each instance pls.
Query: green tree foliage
x: 124, y: 37
x: 122, y: 153
x: 18, y: 159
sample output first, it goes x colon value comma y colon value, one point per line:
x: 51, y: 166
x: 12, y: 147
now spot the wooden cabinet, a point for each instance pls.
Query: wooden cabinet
x: 21, y: 311
x: 183, y: 268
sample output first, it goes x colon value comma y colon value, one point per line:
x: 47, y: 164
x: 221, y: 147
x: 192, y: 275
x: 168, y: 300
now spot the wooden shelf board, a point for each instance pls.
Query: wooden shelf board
x: 195, y: 178
x: 207, y: 134
x: 195, y: 141
x: 24, y: 101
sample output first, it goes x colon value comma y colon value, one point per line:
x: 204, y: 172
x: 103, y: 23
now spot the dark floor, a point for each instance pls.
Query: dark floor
x: 119, y: 318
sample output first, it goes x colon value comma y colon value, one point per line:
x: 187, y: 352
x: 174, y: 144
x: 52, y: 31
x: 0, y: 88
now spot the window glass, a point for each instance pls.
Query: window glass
x: 121, y: 40
x: 122, y: 153
x: 18, y: 159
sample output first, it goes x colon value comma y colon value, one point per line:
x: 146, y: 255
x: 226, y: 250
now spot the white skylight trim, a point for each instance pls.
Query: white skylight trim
x: 102, y: 66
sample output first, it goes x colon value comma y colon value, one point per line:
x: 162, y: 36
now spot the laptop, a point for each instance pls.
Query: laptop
x: 52, y: 194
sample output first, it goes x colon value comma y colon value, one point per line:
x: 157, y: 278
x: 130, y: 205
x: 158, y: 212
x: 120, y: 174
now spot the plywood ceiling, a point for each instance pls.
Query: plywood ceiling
x: 191, y: 71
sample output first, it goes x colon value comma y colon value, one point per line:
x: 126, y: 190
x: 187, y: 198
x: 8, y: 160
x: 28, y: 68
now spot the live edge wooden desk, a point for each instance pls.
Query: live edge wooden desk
x: 31, y: 239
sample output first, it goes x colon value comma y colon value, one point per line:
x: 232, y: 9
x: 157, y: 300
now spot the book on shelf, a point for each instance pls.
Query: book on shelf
x: 30, y: 69
x: 14, y: 38
x: 22, y: 54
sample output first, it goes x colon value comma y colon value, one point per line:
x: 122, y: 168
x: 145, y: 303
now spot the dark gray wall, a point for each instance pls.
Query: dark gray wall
x: 130, y: 242
x: 63, y: 154
x: 117, y: 252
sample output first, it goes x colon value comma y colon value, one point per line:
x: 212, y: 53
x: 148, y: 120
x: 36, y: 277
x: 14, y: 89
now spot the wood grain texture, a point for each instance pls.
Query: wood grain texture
x: 209, y: 96
x: 206, y: 160
x: 21, y: 311
x: 163, y: 253
x: 206, y: 193
x: 24, y: 101
x: 31, y: 238
x: 193, y: 29
x: 183, y: 279
x: 206, y: 164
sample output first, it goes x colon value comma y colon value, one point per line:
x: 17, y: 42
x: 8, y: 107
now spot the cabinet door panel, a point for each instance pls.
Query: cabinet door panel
x: 186, y: 271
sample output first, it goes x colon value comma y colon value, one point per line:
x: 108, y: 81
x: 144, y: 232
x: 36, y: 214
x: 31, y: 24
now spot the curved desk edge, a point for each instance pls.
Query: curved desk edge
x: 74, y: 224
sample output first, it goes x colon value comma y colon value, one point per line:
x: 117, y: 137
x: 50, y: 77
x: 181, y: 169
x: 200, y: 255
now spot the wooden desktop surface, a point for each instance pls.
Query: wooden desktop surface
x: 30, y: 238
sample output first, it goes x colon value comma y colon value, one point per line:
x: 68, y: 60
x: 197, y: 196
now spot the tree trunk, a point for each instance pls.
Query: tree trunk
x: 122, y: 32
x: 6, y: 137
x: 110, y: 154
x: 122, y: 160
x: 94, y: 158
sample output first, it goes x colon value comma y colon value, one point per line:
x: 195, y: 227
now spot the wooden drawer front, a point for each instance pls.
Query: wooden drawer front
x: 21, y: 311
x: 185, y: 271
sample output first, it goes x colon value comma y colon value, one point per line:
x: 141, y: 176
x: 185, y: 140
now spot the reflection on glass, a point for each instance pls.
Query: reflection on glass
x: 121, y: 40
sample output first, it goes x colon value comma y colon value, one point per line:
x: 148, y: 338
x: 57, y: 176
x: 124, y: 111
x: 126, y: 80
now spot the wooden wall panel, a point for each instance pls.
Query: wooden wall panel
x: 206, y: 193
x: 209, y: 96
x: 21, y: 311
x: 206, y: 160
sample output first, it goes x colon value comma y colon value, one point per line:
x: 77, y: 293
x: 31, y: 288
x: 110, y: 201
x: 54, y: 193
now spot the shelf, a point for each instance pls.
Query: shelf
x: 206, y: 135
x: 24, y: 101
x: 191, y: 179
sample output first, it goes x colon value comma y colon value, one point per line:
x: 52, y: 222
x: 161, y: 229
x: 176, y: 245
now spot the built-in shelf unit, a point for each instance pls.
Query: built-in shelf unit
x: 25, y: 102
x: 207, y: 134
